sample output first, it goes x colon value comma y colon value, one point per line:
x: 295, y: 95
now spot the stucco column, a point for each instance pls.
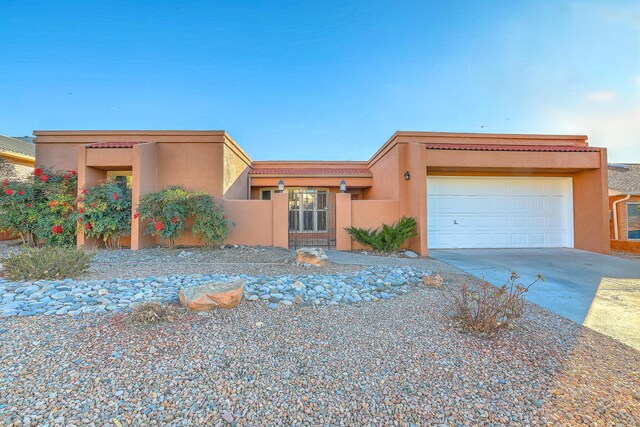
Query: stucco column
x: 144, y: 172
x: 591, y: 208
x: 87, y: 177
x: 413, y: 192
x: 343, y: 219
x: 280, y: 204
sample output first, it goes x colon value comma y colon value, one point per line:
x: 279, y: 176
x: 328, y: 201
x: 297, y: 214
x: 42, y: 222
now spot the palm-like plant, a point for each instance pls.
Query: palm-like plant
x: 387, y: 238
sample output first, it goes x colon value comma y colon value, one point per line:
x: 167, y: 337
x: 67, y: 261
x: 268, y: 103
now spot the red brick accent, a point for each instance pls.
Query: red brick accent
x: 309, y: 171
x: 496, y: 147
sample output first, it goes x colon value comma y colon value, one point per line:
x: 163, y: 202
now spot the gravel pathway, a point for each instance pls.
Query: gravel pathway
x: 354, y: 258
x: 397, y: 362
x: 268, y: 261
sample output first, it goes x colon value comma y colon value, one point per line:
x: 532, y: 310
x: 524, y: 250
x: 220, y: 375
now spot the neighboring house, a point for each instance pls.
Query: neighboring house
x: 624, y: 205
x: 465, y: 190
x: 18, y: 153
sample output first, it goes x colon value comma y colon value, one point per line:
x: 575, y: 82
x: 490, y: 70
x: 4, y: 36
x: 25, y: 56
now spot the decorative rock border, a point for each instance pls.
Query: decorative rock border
x: 71, y: 297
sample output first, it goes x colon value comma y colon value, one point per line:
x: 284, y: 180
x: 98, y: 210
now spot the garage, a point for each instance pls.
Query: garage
x: 499, y: 212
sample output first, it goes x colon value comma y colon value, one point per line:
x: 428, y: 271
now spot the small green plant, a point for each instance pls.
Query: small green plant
x: 47, y: 263
x: 490, y: 307
x: 154, y: 312
x: 386, y: 239
x: 166, y: 212
x: 106, y: 212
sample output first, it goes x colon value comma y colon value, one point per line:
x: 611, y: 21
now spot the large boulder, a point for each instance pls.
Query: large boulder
x: 212, y: 295
x: 313, y: 256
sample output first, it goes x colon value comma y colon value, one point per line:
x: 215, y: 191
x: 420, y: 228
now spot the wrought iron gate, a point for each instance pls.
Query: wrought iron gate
x: 312, y: 219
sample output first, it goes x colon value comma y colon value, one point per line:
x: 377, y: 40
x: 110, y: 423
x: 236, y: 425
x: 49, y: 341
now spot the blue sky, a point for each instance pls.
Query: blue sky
x: 324, y: 80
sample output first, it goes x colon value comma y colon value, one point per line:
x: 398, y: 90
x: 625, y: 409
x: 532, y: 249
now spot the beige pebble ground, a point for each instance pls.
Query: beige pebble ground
x: 398, y: 362
x: 627, y: 255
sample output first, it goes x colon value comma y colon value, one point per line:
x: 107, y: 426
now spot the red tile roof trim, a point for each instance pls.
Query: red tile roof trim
x: 498, y: 147
x: 310, y: 171
x: 112, y: 144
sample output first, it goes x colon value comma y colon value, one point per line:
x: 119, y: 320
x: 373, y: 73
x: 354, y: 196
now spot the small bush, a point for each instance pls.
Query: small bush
x: 106, y: 212
x: 166, y: 212
x: 154, y: 312
x: 48, y: 263
x: 491, y: 307
x: 386, y: 239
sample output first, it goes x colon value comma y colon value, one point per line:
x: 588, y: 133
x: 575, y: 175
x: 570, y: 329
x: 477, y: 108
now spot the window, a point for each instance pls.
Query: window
x: 633, y: 221
x: 308, y: 210
x: 266, y: 194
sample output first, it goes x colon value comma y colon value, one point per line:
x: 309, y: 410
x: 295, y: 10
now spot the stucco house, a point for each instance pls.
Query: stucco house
x: 465, y: 190
x: 19, y: 154
x: 624, y: 206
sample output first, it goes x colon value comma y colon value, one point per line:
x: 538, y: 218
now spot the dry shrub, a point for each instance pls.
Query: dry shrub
x: 154, y: 312
x: 490, y: 307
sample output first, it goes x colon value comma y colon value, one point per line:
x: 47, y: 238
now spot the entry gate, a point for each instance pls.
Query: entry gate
x: 312, y: 219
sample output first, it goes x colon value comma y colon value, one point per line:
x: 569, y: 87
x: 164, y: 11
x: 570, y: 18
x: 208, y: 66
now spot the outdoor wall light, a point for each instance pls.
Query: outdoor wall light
x: 280, y: 186
x: 407, y: 175
x: 343, y: 186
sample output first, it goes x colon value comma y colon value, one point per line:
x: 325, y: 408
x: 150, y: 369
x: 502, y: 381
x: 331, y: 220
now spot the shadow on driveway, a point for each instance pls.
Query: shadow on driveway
x: 581, y: 286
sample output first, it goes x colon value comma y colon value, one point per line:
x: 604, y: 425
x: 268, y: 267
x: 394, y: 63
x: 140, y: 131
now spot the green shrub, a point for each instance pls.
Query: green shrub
x: 48, y: 263
x: 106, y: 212
x: 167, y: 211
x: 209, y: 219
x: 40, y: 209
x: 388, y: 238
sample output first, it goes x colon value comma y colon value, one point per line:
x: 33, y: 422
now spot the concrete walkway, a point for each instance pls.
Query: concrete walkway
x: 340, y: 257
x: 582, y: 286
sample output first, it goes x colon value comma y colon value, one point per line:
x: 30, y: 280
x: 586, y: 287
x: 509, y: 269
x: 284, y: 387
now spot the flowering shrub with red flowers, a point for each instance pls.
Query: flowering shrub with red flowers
x: 40, y: 209
x: 166, y: 212
x: 105, y: 212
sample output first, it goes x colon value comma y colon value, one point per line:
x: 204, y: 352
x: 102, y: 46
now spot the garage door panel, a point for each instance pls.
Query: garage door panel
x: 536, y: 204
x: 554, y: 239
x: 499, y: 240
x: 505, y: 212
x: 518, y: 240
x: 518, y: 222
x: 537, y: 239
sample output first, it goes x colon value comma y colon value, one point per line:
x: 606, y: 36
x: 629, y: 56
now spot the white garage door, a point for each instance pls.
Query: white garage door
x: 499, y: 212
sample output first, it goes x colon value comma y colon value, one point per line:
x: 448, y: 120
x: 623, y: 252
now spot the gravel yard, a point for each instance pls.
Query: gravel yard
x: 626, y: 255
x: 127, y: 264
x: 386, y: 361
x: 401, y: 361
x: 124, y: 263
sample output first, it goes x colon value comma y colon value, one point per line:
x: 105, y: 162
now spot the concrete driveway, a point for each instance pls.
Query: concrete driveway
x: 599, y: 291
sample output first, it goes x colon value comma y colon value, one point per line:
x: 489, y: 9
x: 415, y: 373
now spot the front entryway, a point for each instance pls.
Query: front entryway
x: 499, y: 212
x: 311, y: 219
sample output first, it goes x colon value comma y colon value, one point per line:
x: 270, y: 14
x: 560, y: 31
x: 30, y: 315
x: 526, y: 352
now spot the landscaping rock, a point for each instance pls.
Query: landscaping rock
x: 433, y: 280
x: 212, y: 295
x: 117, y: 295
x: 312, y: 256
x: 410, y: 254
x: 298, y: 285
